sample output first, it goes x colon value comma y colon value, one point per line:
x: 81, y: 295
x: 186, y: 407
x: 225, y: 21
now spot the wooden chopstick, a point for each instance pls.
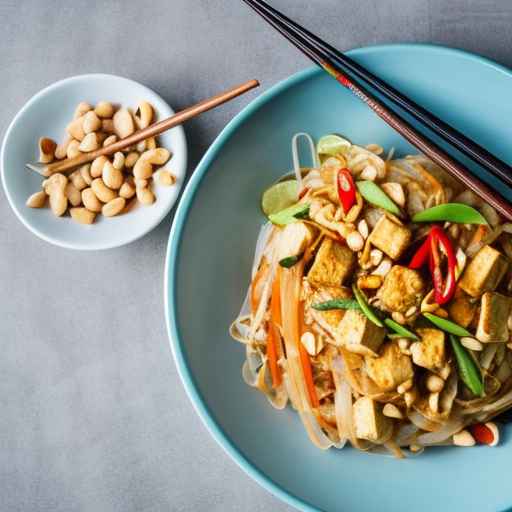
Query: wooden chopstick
x: 150, y: 131
x: 425, y: 145
x: 464, y: 144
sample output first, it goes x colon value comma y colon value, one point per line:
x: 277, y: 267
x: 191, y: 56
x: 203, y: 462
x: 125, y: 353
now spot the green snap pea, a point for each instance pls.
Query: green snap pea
x: 450, y: 212
x: 290, y: 261
x: 376, y: 196
x: 365, y: 307
x: 337, y: 304
x: 468, y: 371
x: 290, y: 214
x: 447, y: 325
x: 400, y: 330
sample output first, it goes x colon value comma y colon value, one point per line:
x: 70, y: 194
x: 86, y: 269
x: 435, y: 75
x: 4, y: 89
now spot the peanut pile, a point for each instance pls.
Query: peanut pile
x: 110, y: 186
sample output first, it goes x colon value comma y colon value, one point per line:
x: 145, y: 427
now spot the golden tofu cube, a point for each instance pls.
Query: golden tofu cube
x: 359, y: 334
x: 430, y: 352
x: 390, y: 369
x: 369, y: 421
x: 294, y: 238
x: 484, y: 272
x: 390, y: 237
x: 402, y: 289
x: 494, y: 313
x: 333, y: 264
x: 461, y: 309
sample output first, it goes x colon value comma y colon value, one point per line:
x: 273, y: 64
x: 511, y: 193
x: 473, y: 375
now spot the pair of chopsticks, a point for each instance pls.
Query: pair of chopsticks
x: 151, y: 131
x: 344, y: 70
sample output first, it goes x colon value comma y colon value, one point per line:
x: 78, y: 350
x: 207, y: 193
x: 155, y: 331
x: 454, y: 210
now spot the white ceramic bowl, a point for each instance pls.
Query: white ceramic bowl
x: 47, y: 114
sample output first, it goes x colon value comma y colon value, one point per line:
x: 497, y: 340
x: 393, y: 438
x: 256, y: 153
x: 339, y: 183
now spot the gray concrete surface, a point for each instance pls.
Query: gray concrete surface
x: 93, y: 416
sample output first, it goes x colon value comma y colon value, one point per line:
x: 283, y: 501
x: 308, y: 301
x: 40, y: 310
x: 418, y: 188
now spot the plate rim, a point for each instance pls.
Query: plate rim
x: 182, y: 140
x: 173, y: 246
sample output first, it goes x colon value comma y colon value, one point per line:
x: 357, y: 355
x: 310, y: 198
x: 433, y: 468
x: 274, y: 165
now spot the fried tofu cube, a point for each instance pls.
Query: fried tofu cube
x: 390, y: 237
x: 391, y: 368
x: 359, y: 334
x: 484, y: 272
x: 430, y: 352
x: 370, y: 422
x: 494, y: 312
x: 402, y: 288
x: 293, y: 239
x: 461, y: 309
x: 333, y: 263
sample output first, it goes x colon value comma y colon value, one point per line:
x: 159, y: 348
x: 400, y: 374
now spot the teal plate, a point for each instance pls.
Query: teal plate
x: 207, y: 273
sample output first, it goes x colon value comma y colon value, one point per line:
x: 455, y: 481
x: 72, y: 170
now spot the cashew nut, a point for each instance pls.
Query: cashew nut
x: 77, y: 179
x: 55, y: 187
x: 123, y: 123
x: 91, y: 122
x: 141, y: 146
x: 118, y: 162
x: 127, y: 190
x: 109, y: 140
x: 82, y: 215
x: 91, y: 202
x: 81, y: 109
x: 112, y: 177
x: 89, y: 143
x: 140, y: 183
x: 97, y: 166
x: 143, y: 168
x: 107, y: 125
x: 143, y: 115
x: 75, y: 128
x: 104, y: 109
x: 37, y: 200
x: 47, y: 149
x: 85, y: 172
x: 145, y: 196
x: 102, y: 192
x: 113, y: 207
x: 73, y: 149
x: 166, y: 178
x: 151, y: 143
x: 62, y: 149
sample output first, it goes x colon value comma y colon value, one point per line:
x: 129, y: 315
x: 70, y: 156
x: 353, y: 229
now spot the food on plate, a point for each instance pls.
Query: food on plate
x: 108, y: 185
x: 380, y: 303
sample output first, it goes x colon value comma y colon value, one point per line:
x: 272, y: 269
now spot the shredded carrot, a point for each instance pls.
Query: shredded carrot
x: 275, y: 301
x: 257, y: 285
x: 480, y: 232
x: 306, y: 363
x: 274, y: 336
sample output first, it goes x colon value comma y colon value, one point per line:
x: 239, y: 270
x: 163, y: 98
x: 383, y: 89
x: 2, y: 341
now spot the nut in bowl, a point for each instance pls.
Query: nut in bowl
x: 111, y: 201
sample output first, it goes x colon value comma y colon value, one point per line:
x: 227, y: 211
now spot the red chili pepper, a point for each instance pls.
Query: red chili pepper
x: 444, y: 288
x: 482, y: 434
x: 303, y: 192
x: 421, y: 256
x: 346, y: 189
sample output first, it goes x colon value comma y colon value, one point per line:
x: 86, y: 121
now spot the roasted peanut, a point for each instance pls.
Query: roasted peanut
x: 355, y: 241
x: 62, y: 149
x: 127, y: 190
x: 97, y: 166
x: 166, y: 178
x: 91, y: 202
x: 73, y: 194
x: 118, y: 162
x: 55, y: 188
x: 47, y: 149
x: 112, y: 177
x: 370, y: 282
x: 77, y: 179
x: 90, y: 142
x: 75, y: 129
x: 143, y: 114
x: 102, y: 192
x: 37, y: 200
x: 104, y: 109
x: 82, y: 215
x: 131, y: 159
x: 82, y: 108
x: 85, y: 172
x: 109, y: 140
x: 73, y: 149
x: 395, y: 191
x: 145, y: 196
x: 434, y: 383
x: 113, y: 207
x: 123, y: 123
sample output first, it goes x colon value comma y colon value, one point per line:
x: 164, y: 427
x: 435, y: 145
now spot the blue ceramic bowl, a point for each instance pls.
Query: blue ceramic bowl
x: 208, y: 265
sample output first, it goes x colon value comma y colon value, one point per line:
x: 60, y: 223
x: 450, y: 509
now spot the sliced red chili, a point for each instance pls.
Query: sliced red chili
x: 444, y: 287
x: 346, y: 189
x: 421, y: 255
x: 482, y: 434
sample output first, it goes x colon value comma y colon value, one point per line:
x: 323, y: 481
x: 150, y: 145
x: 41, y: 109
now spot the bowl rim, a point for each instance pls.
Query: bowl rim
x: 170, y: 278
x: 181, y: 141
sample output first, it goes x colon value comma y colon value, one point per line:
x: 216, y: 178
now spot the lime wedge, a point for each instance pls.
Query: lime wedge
x: 279, y: 196
x: 332, y: 145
